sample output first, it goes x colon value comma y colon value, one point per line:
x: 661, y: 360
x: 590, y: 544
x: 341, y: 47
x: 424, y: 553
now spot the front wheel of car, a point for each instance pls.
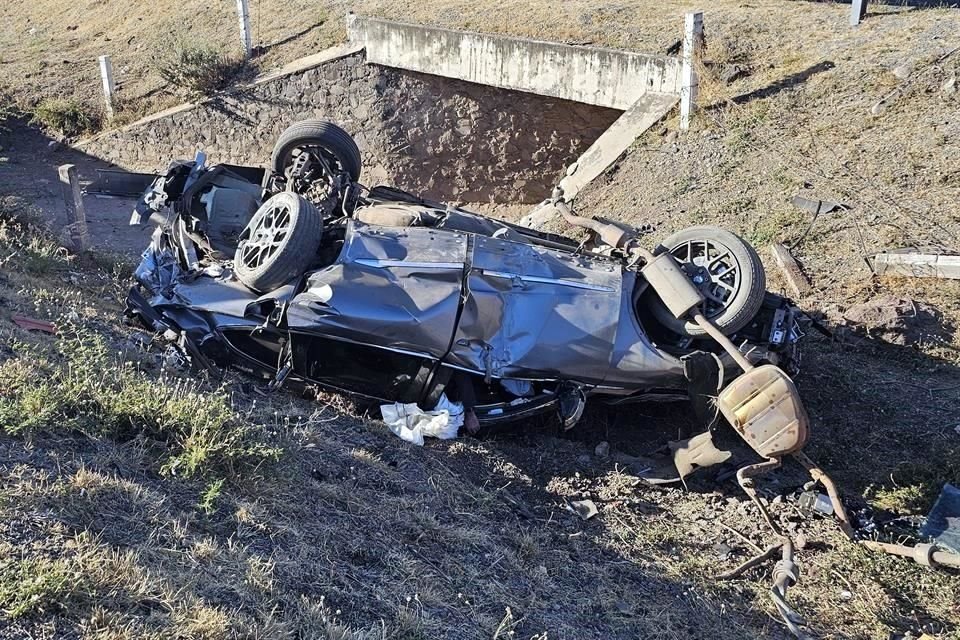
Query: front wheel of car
x: 726, y: 270
x: 279, y: 243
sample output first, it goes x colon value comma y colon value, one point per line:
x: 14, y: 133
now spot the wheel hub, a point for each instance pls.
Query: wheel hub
x: 713, y: 269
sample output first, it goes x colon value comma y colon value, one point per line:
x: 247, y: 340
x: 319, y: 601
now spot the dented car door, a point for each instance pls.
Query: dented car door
x: 383, y: 314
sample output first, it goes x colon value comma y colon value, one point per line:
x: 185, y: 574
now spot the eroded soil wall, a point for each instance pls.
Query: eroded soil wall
x: 437, y: 137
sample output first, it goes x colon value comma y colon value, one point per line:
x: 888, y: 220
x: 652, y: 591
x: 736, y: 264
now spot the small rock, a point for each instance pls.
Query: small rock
x: 778, y: 499
x: 602, y: 450
x: 722, y: 550
x: 950, y: 86
x: 670, y: 138
x: 902, y: 71
x: 586, y: 509
x: 846, y: 595
x: 801, y: 541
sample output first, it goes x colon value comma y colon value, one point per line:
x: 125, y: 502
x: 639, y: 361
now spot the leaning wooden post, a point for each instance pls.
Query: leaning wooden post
x: 106, y: 76
x: 73, y: 203
x: 243, y: 11
x: 858, y: 9
x: 689, y: 82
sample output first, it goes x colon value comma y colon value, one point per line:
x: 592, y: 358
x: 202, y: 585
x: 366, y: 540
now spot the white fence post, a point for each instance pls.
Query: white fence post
x: 106, y: 75
x: 243, y: 10
x: 689, y: 83
x: 858, y: 9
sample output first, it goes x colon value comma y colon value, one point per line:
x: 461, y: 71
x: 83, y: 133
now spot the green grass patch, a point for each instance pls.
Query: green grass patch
x: 68, y: 117
x: 196, y: 69
x: 85, y: 385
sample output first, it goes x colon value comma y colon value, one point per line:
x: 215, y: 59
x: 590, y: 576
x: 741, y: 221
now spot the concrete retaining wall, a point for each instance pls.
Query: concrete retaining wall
x: 440, y: 138
x: 592, y: 75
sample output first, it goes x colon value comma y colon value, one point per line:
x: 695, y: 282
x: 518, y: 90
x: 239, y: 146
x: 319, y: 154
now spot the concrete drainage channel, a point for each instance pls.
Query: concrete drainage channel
x: 462, y: 117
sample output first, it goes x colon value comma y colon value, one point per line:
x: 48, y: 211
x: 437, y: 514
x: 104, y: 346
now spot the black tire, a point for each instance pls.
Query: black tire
x: 747, y: 285
x: 317, y: 133
x: 263, y: 267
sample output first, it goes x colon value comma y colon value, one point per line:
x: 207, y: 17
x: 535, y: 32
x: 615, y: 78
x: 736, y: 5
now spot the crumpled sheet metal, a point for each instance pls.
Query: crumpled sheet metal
x: 524, y: 307
x: 943, y: 523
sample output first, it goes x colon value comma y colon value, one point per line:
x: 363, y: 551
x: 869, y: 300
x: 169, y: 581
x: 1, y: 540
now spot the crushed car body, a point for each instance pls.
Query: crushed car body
x: 297, y: 272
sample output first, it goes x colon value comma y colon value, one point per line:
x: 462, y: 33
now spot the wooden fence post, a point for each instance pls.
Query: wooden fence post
x: 689, y: 83
x: 106, y: 75
x: 243, y: 10
x: 73, y: 203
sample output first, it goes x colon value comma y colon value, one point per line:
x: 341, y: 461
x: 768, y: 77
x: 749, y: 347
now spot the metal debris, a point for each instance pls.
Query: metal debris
x: 943, y: 523
x: 817, y: 207
x: 695, y: 452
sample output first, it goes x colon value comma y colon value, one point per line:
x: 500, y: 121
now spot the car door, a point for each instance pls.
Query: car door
x: 536, y: 312
x: 378, y: 319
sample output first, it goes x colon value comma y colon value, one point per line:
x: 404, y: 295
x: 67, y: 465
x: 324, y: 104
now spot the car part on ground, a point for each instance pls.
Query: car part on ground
x: 926, y: 554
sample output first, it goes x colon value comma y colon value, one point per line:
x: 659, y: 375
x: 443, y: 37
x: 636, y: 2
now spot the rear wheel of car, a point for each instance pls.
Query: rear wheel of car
x: 319, y: 137
x: 279, y: 243
x: 726, y: 270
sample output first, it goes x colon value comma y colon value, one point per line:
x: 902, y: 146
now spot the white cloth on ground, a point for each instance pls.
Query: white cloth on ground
x: 411, y: 423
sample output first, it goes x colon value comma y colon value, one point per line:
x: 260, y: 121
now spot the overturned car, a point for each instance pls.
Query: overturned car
x: 299, y: 272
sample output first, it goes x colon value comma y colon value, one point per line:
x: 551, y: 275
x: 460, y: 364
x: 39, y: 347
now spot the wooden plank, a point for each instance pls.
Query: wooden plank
x: 796, y: 280
x: 917, y: 265
x: 73, y: 203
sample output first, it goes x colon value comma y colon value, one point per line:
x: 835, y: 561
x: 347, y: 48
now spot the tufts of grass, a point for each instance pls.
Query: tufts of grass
x: 41, y: 586
x: 34, y: 585
x: 196, y: 69
x: 24, y: 245
x: 87, y: 387
x: 67, y: 116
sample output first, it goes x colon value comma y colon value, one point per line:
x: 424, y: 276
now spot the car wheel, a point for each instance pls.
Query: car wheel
x: 726, y: 270
x: 279, y: 243
x: 321, y: 138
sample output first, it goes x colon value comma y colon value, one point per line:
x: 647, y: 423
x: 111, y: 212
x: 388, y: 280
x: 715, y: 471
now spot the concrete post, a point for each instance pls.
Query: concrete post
x: 106, y: 76
x: 73, y: 204
x: 689, y: 83
x: 858, y: 9
x: 243, y: 11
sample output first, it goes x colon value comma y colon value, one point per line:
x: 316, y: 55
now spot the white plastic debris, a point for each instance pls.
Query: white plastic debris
x: 413, y: 424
